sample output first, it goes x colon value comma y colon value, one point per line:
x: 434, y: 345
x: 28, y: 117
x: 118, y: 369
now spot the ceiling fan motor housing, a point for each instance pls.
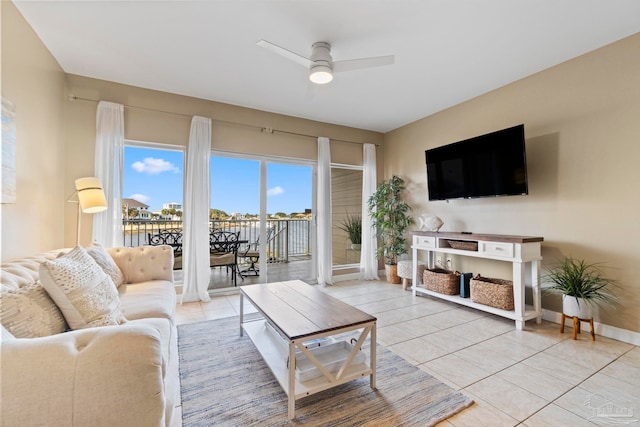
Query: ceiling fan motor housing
x: 321, y: 55
x: 321, y: 69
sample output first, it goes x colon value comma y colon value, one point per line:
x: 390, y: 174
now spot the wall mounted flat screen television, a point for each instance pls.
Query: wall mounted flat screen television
x: 489, y: 165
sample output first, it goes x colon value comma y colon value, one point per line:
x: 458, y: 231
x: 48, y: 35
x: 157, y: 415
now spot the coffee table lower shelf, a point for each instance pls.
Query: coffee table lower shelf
x: 272, y: 354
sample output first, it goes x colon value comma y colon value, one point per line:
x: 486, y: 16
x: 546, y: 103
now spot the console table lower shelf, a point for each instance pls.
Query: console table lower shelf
x: 272, y: 353
x: 529, y: 311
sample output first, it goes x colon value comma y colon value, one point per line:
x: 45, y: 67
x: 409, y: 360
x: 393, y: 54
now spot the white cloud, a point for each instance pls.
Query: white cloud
x: 140, y: 197
x: 153, y: 166
x: 275, y: 191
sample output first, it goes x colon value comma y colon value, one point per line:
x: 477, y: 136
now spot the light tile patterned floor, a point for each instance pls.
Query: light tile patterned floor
x: 536, y: 377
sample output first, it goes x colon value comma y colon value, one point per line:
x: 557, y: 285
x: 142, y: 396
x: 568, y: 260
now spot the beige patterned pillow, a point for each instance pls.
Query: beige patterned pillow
x: 29, y: 312
x: 85, y: 294
x: 104, y: 260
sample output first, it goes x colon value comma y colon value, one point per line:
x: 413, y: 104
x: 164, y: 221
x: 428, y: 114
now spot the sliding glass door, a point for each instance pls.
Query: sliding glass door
x: 268, y: 202
x: 289, y: 219
x: 235, y: 208
x: 346, y: 215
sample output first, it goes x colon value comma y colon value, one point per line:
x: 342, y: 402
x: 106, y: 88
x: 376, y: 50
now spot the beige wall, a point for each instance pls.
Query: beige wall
x: 34, y: 82
x: 582, y: 126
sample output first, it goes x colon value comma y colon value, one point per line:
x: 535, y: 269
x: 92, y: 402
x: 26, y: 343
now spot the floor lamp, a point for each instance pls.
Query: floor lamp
x: 91, y: 198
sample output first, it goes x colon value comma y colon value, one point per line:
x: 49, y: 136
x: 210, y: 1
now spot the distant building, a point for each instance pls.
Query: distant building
x: 172, y: 205
x: 127, y: 204
x: 160, y: 215
x: 133, y: 203
x: 144, y: 214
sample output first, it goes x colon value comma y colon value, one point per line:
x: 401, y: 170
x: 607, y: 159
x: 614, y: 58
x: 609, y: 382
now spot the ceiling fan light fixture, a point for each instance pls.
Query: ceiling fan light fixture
x: 321, y: 65
x: 321, y: 74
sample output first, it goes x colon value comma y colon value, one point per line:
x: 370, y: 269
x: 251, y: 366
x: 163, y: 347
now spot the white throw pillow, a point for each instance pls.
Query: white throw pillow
x: 85, y: 294
x: 104, y: 260
x: 29, y: 312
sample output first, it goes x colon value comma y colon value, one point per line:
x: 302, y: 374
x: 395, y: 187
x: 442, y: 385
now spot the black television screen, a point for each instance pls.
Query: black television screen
x: 484, y: 166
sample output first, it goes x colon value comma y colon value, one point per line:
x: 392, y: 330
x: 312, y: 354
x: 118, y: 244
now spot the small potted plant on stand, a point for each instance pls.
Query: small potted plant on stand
x: 582, y: 286
x: 352, y: 224
x: 389, y: 216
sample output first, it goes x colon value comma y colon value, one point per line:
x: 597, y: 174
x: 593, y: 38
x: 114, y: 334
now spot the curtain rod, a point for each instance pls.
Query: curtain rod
x: 261, y: 128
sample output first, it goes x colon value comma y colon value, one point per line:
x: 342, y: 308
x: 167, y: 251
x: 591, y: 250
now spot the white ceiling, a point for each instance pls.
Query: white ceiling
x: 446, y: 51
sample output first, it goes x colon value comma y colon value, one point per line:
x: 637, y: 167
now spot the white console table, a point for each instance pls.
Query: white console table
x: 518, y: 250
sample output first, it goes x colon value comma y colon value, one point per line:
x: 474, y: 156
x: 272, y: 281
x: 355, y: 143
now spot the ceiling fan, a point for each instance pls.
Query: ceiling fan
x: 320, y: 64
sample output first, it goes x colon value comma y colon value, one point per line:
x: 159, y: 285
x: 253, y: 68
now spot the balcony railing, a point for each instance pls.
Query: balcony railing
x: 287, y: 238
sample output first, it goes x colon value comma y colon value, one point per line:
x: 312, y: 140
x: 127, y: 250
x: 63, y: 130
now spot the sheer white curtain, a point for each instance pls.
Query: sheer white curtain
x: 368, y: 262
x: 109, y: 165
x: 195, y: 226
x: 323, y: 216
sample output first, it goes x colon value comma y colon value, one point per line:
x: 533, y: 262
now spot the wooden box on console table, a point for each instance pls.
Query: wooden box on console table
x: 517, y: 250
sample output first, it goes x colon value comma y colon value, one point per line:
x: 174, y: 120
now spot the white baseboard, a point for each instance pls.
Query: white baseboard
x: 608, y: 331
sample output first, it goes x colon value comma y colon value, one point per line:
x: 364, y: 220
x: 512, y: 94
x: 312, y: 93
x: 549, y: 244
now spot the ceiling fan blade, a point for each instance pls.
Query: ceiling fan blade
x: 357, y: 64
x: 284, y: 52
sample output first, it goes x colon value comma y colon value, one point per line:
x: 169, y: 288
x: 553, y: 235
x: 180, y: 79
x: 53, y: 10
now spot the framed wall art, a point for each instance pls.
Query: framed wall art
x: 8, y: 152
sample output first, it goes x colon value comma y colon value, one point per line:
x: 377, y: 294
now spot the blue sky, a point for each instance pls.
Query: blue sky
x: 155, y: 176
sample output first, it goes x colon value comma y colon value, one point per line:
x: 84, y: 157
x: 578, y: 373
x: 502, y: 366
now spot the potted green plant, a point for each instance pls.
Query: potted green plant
x: 582, y: 286
x: 352, y: 224
x: 389, y: 214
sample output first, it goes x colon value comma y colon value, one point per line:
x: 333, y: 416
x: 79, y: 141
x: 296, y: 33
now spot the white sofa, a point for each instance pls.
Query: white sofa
x: 123, y: 375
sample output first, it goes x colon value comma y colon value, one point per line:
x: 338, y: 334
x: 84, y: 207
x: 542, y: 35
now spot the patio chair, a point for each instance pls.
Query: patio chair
x: 251, y: 255
x: 223, y: 248
x: 223, y: 251
x: 171, y: 237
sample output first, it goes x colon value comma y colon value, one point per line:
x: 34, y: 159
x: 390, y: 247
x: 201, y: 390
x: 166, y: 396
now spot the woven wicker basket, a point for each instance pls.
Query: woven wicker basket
x: 441, y: 281
x: 462, y: 245
x: 496, y: 293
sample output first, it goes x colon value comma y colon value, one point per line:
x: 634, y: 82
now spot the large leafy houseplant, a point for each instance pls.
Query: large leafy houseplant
x: 389, y: 215
x: 352, y: 224
x: 582, y: 285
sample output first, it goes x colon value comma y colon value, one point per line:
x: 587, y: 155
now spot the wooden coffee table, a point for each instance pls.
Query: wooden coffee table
x: 301, y: 313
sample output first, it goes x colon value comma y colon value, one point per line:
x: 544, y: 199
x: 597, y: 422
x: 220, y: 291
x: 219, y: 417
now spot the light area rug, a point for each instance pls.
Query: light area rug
x: 225, y: 382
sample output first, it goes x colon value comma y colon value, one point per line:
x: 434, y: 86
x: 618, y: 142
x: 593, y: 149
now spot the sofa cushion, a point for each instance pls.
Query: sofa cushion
x: 167, y: 334
x: 155, y: 298
x: 29, y: 312
x: 85, y: 294
x: 143, y: 263
x: 104, y: 260
x: 20, y: 272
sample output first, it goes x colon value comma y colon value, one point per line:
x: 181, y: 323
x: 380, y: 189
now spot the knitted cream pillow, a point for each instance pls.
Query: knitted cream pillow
x: 85, y: 294
x: 29, y: 312
x: 104, y: 260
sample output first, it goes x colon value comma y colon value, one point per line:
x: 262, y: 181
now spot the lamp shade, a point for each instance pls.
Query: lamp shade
x: 91, y: 195
x: 321, y: 74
